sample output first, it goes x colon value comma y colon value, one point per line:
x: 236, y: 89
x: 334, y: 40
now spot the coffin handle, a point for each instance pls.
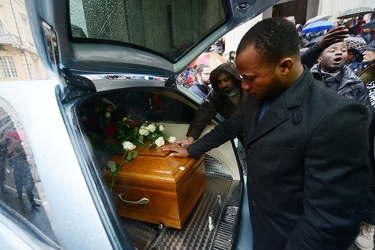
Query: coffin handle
x: 143, y: 201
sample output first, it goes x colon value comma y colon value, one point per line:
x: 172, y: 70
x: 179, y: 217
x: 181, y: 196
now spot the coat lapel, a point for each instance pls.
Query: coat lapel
x: 278, y: 112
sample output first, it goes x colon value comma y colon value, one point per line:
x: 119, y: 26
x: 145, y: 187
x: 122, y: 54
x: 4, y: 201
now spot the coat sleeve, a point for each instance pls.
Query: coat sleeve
x: 364, y: 98
x: 310, y: 56
x: 223, y: 132
x: 335, y: 182
x: 359, y: 90
x: 202, y: 118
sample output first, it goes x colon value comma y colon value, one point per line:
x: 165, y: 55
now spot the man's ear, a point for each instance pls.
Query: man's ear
x: 319, y: 59
x: 285, y: 65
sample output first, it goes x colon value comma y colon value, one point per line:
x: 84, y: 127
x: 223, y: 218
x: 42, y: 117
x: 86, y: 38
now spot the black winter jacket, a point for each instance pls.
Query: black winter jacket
x: 217, y: 102
x: 346, y: 83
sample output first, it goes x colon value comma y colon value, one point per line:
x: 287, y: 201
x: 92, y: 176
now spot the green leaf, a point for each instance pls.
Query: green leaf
x: 141, y: 138
x: 135, y: 130
x: 111, y: 163
x: 137, y: 142
x: 129, y: 157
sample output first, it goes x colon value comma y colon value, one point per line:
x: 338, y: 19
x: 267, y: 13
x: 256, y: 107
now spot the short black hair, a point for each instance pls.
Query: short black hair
x: 354, y: 51
x: 274, y: 38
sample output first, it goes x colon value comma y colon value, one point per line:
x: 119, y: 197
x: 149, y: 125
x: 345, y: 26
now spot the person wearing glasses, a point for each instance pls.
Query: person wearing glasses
x: 201, y: 85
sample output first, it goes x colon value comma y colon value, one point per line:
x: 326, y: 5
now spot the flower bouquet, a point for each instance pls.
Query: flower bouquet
x: 111, y: 131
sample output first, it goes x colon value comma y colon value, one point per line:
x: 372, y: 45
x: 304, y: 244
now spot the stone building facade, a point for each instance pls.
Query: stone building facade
x: 19, y: 59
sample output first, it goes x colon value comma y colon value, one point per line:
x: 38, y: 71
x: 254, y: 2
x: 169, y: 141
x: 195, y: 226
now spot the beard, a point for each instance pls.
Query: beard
x: 277, y: 86
x: 226, y: 90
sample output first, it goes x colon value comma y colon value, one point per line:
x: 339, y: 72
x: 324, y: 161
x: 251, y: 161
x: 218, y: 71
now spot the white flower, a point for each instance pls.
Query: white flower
x: 143, y: 130
x: 151, y: 127
x: 107, y: 114
x: 127, y: 145
x: 161, y: 127
x: 172, y: 139
x: 159, y: 142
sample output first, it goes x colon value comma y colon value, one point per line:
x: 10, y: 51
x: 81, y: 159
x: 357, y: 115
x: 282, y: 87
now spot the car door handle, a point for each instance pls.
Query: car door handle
x: 143, y: 201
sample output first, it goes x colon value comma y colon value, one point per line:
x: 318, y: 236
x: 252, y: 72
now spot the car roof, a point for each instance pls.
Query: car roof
x: 132, y: 37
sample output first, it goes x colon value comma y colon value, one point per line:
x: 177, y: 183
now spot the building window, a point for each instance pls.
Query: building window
x: 36, y: 68
x: 26, y: 28
x: 7, y: 67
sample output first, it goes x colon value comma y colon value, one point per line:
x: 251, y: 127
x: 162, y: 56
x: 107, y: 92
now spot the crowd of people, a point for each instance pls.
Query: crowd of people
x: 354, y: 26
x: 307, y: 123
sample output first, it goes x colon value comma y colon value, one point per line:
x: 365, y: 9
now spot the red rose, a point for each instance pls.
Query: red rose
x: 110, y: 130
x: 134, y: 122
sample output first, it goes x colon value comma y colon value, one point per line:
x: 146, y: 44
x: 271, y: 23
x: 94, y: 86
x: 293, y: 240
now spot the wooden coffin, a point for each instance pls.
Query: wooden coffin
x: 157, y: 188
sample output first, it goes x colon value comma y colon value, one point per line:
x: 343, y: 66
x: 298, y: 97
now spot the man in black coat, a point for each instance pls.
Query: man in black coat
x: 306, y: 146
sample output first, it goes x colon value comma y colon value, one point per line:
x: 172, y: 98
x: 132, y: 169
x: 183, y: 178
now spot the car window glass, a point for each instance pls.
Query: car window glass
x: 21, y: 186
x: 159, y: 107
x: 169, y: 27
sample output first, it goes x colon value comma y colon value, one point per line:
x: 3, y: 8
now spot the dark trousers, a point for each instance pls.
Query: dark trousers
x: 23, y: 179
x: 369, y: 213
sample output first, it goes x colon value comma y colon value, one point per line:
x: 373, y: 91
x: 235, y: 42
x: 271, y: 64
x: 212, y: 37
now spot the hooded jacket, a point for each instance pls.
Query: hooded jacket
x: 217, y: 101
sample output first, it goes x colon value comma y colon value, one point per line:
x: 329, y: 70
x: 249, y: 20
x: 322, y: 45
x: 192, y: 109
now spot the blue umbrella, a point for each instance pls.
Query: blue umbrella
x: 318, y: 26
x: 370, y: 24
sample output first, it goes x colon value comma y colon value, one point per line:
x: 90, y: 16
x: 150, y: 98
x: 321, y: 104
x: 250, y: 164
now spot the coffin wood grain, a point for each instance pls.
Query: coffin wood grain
x: 173, y: 186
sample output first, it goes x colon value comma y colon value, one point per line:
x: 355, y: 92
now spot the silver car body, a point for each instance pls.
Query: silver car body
x: 75, y: 202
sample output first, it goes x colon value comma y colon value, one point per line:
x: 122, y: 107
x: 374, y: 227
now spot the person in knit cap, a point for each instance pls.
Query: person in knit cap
x: 189, y: 81
x: 225, y: 98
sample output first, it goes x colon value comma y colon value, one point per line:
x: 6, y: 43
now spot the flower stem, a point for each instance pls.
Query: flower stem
x: 115, y: 174
x: 118, y: 167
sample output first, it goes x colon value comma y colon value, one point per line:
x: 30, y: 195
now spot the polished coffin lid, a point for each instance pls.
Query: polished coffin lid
x: 158, y: 188
x: 154, y: 168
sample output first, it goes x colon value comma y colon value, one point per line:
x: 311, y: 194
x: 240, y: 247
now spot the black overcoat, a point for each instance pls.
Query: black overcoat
x: 308, y: 166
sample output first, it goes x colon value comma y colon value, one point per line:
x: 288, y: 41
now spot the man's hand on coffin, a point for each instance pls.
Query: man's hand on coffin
x: 185, y: 142
x: 177, y: 150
